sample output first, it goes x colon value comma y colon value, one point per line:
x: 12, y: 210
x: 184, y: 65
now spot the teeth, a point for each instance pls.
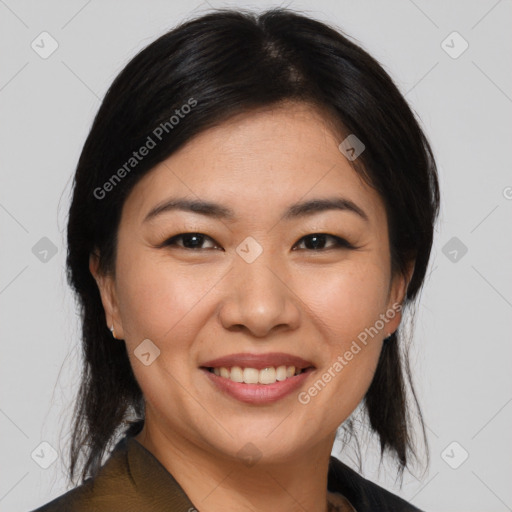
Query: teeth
x: 251, y: 376
x: 269, y: 375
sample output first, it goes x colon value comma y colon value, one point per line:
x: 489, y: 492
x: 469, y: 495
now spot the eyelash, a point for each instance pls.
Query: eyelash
x: 340, y: 243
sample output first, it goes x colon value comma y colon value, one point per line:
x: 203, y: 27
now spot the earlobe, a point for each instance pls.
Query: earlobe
x: 93, y: 265
x: 403, y: 284
x: 407, y: 279
x: 98, y: 276
x: 397, y: 297
x: 107, y: 292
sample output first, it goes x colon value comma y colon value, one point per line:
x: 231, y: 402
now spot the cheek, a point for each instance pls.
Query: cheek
x: 346, y: 306
x: 166, y: 306
x: 154, y: 299
x: 347, y: 302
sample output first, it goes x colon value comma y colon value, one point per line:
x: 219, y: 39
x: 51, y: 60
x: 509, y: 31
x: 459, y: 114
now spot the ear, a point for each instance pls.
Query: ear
x: 396, y: 296
x: 106, y: 286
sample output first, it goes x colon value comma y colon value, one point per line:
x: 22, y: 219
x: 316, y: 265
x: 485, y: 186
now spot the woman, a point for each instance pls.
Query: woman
x: 252, y: 210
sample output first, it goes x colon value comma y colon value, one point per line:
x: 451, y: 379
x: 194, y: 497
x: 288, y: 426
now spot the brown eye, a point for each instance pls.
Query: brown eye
x: 192, y: 241
x: 318, y: 241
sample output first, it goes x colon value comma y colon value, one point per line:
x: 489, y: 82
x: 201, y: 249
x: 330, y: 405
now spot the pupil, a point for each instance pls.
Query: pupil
x: 188, y: 238
x: 315, y: 241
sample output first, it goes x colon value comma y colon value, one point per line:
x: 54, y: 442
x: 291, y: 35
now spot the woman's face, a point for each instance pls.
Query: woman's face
x: 256, y: 281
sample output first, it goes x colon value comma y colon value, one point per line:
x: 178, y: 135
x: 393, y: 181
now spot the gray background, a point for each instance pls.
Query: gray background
x: 462, y: 352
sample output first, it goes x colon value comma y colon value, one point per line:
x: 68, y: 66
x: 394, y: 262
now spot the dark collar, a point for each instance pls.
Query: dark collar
x: 151, y: 478
x: 365, y: 496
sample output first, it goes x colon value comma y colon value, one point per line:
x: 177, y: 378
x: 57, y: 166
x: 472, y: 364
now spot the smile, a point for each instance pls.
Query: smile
x: 266, y: 376
x: 257, y: 393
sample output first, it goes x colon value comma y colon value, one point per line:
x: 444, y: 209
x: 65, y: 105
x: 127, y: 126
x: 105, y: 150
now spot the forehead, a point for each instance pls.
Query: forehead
x: 259, y: 162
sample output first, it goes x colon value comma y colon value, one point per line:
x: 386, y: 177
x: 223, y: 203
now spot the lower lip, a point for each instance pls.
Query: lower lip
x: 258, y: 393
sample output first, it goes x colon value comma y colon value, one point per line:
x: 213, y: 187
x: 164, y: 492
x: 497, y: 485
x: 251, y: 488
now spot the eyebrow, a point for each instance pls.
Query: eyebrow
x: 218, y: 211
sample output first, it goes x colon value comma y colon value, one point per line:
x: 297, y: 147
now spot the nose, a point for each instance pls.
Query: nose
x: 259, y: 299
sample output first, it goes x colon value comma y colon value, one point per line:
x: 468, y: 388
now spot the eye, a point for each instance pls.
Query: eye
x: 191, y: 241
x: 317, y: 242
x: 313, y: 242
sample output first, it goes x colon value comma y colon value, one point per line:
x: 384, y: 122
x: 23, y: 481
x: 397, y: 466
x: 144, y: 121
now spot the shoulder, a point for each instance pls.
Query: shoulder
x: 131, y: 480
x: 363, y: 494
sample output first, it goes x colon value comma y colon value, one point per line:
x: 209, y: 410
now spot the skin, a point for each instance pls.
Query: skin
x: 200, y: 304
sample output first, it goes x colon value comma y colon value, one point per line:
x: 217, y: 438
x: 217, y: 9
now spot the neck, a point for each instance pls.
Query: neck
x: 214, y: 482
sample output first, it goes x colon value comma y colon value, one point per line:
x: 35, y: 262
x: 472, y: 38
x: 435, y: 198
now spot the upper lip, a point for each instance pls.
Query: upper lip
x: 258, y: 361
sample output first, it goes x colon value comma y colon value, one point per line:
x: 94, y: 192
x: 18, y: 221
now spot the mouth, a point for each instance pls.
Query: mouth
x: 266, y: 376
x: 258, y: 379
